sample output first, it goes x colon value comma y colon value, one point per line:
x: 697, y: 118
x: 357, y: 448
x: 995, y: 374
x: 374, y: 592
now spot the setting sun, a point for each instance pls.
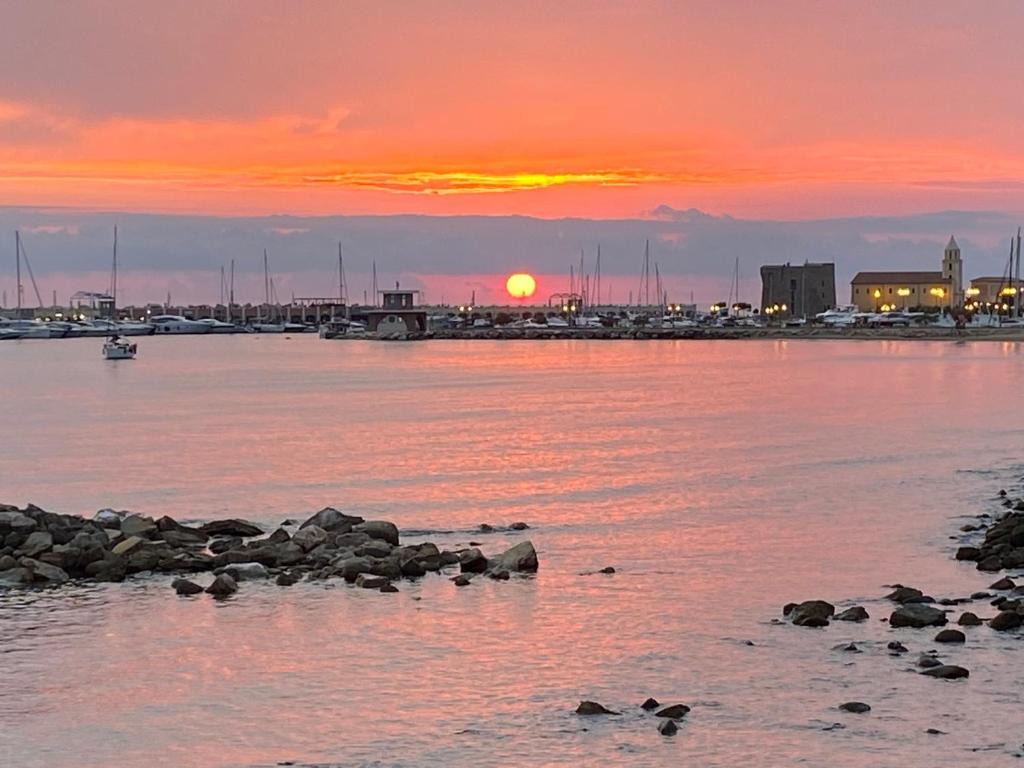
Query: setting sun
x: 520, y: 285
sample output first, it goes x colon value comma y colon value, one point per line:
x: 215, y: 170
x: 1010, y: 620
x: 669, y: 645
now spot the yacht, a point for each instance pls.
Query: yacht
x: 839, y: 316
x: 135, y: 328
x: 340, y: 327
x: 219, y: 326
x: 177, y: 324
x: 268, y: 327
x: 557, y: 322
x: 34, y: 329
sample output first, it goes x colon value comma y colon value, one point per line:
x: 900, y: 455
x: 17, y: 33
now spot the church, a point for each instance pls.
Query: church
x: 884, y: 291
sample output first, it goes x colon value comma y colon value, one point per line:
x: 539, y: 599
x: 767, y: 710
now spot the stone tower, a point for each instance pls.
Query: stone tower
x: 953, y: 270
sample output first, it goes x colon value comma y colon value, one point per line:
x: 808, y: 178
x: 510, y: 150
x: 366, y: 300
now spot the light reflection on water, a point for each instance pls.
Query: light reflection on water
x: 721, y: 480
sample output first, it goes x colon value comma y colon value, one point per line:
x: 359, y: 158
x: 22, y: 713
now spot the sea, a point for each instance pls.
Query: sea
x: 720, y: 479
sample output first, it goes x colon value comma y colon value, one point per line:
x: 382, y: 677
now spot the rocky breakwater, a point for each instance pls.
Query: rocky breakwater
x: 40, y: 548
x: 1003, y: 543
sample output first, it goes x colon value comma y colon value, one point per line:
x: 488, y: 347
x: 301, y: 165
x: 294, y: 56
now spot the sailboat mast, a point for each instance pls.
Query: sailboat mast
x: 17, y: 262
x: 597, y: 275
x: 113, y: 272
x: 1016, y: 296
x: 266, y: 277
x: 341, y: 277
x: 374, y: 282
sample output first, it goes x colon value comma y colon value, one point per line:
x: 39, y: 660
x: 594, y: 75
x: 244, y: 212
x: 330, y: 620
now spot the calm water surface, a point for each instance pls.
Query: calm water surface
x: 721, y: 479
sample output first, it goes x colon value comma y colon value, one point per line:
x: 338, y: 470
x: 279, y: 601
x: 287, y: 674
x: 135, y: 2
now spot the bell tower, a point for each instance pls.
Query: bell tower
x: 953, y: 270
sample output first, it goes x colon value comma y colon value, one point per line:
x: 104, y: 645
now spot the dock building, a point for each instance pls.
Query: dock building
x: 805, y: 289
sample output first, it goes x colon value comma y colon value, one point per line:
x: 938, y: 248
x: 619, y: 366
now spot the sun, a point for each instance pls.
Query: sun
x: 520, y: 285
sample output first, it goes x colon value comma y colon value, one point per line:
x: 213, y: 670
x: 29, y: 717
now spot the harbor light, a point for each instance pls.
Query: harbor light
x: 937, y: 292
x: 903, y: 291
x: 1008, y: 291
x: 972, y: 291
x: 877, y: 294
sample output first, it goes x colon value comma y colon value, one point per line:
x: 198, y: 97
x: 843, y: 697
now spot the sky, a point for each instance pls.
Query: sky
x: 782, y: 111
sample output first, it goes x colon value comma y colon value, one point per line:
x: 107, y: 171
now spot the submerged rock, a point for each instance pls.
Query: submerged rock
x: 186, y: 587
x: 811, y: 613
x: 1004, y: 583
x: 521, y: 557
x: 951, y: 636
x: 857, y: 707
x: 673, y: 711
x: 472, y: 561
x: 947, y: 672
x: 593, y: 708
x: 247, y: 571
x: 607, y: 570
x: 287, y: 579
x: 462, y: 580
x: 917, y: 615
x: 856, y: 613
x: 222, y: 586
x: 968, y: 619
x: 926, y: 661
x: 650, y: 704
x: 668, y: 728
x: 896, y: 646
x: 902, y: 594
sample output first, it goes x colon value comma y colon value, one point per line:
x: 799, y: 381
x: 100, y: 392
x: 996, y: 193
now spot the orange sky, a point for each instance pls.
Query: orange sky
x: 785, y: 110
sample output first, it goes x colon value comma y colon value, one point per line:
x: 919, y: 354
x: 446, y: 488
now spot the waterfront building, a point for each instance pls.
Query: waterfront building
x: 879, y: 291
x: 805, y: 289
x: 397, y: 314
x: 993, y: 290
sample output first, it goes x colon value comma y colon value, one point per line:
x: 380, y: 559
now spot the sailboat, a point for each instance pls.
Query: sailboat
x: 259, y: 326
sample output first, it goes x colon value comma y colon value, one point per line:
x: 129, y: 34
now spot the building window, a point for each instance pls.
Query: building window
x: 890, y: 291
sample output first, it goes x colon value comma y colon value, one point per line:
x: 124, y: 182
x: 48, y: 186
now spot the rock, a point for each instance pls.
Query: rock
x: 607, y: 569
x: 309, y: 537
x: 15, y: 577
x: 389, y: 587
x: 812, y: 613
x: 280, y: 536
x: 129, y: 545
x: 12, y: 521
x: 850, y: 648
x: 366, y: 581
x: 901, y: 594
x: 668, y: 728
x: 673, y: 711
x: 968, y: 553
x: 246, y: 571
x: 220, y: 546
x: 917, y: 615
x: 7, y: 562
x: 44, y: 571
x: 186, y: 587
x: 350, y: 567
x: 332, y: 521
x: 980, y: 595
x: 593, y: 708
x: 1004, y: 620
x: 857, y: 707
x: 472, y: 561
x: 650, y: 704
x: 485, y: 528
x: 231, y: 527
x: 856, y: 613
x: 501, y: 575
x: 379, y: 529
x: 990, y: 564
x: 462, y: 580
x: 287, y: 579
x: 935, y: 732
x: 951, y: 636
x: 518, y: 526
x: 521, y: 557
x: 896, y: 646
x: 183, y: 538
x: 37, y: 543
x: 947, y: 672
x: 968, y: 619
x: 375, y: 548
x: 448, y: 558
x: 222, y: 586
x: 108, y: 518
x: 1004, y: 583
x: 138, y: 525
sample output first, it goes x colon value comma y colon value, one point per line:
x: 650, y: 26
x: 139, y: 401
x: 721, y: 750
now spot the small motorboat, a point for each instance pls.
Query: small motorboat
x: 117, y: 348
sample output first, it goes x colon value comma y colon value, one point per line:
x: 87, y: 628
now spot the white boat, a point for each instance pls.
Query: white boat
x: 34, y: 329
x: 117, y: 348
x: 298, y: 328
x: 135, y: 328
x: 219, y: 326
x: 165, y: 324
x: 268, y: 327
x: 839, y: 316
x: 9, y: 334
x: 677, y: 322
x: 340, y: 328
x: 557, y: 322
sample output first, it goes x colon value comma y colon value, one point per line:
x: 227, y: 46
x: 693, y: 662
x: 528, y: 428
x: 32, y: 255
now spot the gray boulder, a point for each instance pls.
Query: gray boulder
x: 593, y: 708
x: 902, y: 594
x: 668, y: 728
x: 37, y: 543
x: 109, y: 518
x: 246, y: 571
x: 968, y: 619
x: 222, y: 586
x: 857, y: 707
x: 812, y: 613
x: 41, y: 571
x: 309, y: 537
x: 472, y: 561
x: 522, y: 557
x: 15, y: 577
x: 129, y: 545
x: 856, y: 613
x: 917, y: 615
x: 186, y: 587
x: 1006, y: 620
x: 673, y: 711
x: 379, y: 529
x: 332, y: 520
x: 351, y: 567
x: 13, y: 521
x: 138, y: 525
x: 367, y: 581
x: 375, y: 548
x: 951, y: 636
